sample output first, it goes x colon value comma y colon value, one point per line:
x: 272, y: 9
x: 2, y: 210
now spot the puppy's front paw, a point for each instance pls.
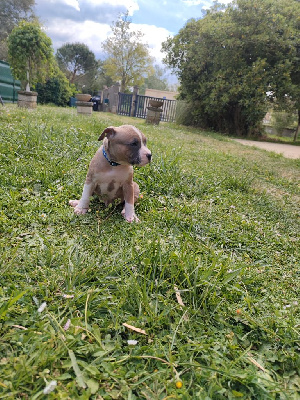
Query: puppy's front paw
x: 80, y: 211
x: 130, y: 218
x: 133, y: 219
x: 129, y: 214
x: 73, y: 203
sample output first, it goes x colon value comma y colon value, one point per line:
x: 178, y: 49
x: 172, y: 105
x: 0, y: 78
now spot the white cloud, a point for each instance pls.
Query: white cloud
x: 130, y: 5
x: 206, y: 3
x: 87, y: 32
x: 103, y: 11
x: 73, y: 3
x: 153, y: 36
x: 192, y: 2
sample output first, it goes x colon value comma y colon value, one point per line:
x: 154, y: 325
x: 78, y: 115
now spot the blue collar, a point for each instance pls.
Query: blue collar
x: 112, y: 163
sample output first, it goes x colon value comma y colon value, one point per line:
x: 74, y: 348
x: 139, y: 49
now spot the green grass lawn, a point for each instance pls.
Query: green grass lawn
x: 219, y: 232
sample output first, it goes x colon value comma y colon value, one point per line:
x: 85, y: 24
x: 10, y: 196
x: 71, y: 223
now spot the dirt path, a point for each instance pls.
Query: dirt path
x: 287, y: 150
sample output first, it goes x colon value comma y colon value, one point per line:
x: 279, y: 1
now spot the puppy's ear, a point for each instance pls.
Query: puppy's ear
x: 108, y: 132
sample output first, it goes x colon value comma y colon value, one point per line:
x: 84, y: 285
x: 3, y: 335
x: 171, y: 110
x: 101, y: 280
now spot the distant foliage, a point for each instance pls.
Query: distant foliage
x: 11, y: 13
x: 55, y: 90
x: 282, y: 120
x: 229, y: 60
x: 155, y: 80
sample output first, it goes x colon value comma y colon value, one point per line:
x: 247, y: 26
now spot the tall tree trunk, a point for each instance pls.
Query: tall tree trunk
x: 298, y: 127
x: 123, y: 85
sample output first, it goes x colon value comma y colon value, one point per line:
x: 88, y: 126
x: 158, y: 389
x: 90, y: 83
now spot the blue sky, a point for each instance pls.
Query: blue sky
x: 88, y: 21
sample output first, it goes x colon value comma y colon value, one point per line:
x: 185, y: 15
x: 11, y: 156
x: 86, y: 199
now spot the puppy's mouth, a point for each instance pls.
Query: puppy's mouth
x: 136, y: 161
x: 141, y: 161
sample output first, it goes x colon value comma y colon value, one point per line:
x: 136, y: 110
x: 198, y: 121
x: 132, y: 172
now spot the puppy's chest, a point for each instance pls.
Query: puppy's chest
x: 110, y: 185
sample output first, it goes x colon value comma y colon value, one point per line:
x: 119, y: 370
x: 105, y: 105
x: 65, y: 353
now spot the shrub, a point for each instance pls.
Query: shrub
x: 56, y: 90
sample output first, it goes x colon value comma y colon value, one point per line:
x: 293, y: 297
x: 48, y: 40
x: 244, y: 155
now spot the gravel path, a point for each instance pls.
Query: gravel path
x: 287, y: 150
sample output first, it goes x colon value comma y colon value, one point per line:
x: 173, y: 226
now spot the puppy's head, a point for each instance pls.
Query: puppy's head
x: 126, y: 145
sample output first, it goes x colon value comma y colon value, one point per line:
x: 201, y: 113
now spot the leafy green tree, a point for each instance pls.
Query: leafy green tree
x: 78, y: 63
x: 30, y: 53
x: 11, y: 13
x: 230, y: 59
x: 128, y: 58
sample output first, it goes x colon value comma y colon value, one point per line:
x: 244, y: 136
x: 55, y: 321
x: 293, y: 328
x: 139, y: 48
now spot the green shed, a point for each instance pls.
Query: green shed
x: 8, y: 85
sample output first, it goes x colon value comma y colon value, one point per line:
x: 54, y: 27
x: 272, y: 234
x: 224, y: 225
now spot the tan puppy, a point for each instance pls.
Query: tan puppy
x: 110, y: 173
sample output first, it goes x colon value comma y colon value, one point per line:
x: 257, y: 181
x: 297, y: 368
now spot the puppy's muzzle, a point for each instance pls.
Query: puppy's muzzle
x: 144, y: 158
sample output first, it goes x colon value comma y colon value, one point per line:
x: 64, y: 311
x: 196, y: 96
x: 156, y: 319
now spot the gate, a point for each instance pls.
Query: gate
x: 141, y: 103
x: 125, y: 103
x: 8, y: 85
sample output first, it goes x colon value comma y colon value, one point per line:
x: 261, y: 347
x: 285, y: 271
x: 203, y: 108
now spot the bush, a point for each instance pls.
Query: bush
x: 184, y: 113
x: 56, y: 90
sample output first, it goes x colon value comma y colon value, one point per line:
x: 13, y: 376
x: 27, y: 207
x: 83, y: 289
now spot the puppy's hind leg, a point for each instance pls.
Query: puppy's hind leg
x: 136, y: 191
x: 128, y: 211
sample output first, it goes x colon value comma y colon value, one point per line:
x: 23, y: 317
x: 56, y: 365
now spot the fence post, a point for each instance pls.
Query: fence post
x: 134, y: 100
x: 115, y: 98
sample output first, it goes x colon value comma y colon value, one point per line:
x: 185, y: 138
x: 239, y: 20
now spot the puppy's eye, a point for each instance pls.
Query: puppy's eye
x: 134, y: 143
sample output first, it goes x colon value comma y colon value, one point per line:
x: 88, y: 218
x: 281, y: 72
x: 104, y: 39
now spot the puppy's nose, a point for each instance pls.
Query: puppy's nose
x: 149, y: 156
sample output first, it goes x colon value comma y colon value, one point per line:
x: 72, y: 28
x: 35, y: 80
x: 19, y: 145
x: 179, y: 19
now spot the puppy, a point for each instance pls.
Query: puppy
x: 110, y: 174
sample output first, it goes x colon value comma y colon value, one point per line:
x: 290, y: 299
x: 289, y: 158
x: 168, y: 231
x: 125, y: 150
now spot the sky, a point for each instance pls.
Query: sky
x: 89, y: 21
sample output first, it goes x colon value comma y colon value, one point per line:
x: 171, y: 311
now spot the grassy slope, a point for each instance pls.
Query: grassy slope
x: 219, y: 221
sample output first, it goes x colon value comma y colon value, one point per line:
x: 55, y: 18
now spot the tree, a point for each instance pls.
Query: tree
x: 156, y: 80
x: 230, y: 59
x: 30, y: 53
x: 128, y: 58
x: 101, y: 79
x: 11, y: 13
x: 78, y: 63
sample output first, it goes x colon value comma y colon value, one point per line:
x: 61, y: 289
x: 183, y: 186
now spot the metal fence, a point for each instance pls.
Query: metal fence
x: 169, y: 108
x: 125, y: 104
x: 142, y: 102
x: 8, y: 85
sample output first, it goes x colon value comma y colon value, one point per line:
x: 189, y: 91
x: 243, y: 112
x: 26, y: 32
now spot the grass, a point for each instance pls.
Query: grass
x: 219, y: 232
x: 274, y: 138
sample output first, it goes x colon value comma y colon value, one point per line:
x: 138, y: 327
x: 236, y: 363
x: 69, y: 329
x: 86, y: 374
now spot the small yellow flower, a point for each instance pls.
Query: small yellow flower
x: 179, y: 384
